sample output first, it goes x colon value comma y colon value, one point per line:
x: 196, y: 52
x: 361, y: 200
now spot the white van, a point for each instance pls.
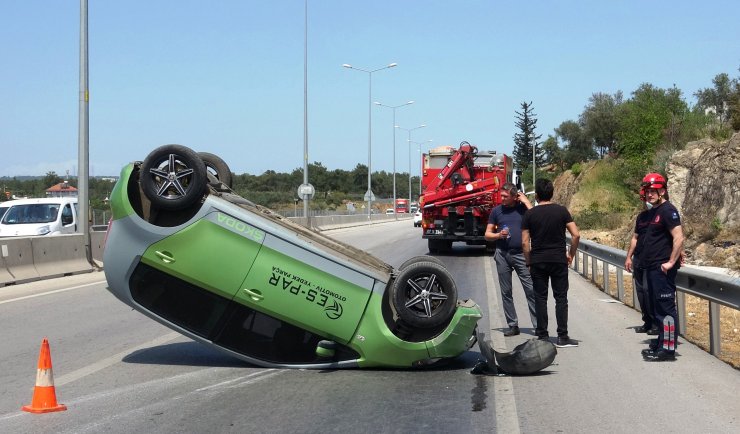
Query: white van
x: 48, y: 216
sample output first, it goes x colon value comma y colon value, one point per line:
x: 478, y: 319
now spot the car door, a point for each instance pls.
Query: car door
x: 214, y: 253
x: 293, y: 282
x: 68, y: 220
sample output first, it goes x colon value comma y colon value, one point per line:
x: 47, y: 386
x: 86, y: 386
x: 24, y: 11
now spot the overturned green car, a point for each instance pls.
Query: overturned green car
x: 186, y: 251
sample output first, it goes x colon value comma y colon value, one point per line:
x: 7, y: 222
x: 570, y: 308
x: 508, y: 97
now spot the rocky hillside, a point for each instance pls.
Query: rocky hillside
x: 703, y: 183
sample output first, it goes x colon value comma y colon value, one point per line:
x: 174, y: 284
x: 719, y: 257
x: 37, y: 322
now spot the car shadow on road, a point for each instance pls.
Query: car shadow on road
x: 185, y: 354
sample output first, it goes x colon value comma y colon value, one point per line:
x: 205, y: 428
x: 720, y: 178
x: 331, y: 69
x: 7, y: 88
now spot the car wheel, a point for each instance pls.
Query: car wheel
x: 424, y: 295
x: 216, y: 167
x: 421, y: 258
x: 173, y: 177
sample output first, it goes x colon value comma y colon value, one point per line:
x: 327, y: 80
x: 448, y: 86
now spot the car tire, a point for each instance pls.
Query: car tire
x: 421, y: 258
x: 424, y: 295
x: 217, y: 167
x: 173, y: 177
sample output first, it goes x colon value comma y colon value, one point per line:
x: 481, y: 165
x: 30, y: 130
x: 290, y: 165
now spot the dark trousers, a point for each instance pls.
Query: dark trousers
x: 662, y: 290
x: 556, y: 274
x: 638, y: 274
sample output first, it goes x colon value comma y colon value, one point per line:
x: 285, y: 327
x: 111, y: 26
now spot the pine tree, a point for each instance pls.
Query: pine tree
x: 526, y: 121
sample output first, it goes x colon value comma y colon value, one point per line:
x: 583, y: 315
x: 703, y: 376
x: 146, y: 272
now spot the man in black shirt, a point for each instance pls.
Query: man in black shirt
x: 633, y: 265
x: 661, y: 259
x: 544, y: 227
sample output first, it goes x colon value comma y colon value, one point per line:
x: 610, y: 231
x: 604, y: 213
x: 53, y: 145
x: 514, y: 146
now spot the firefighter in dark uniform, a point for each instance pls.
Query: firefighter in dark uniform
x: 660, y: 258
x: 632, y: 264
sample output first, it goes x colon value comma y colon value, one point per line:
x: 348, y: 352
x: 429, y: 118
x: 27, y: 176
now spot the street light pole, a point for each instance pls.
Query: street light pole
x: 420, y: 168
x: 369, y: 193
x: 534, y: 156
x: 394, y: 107
x: 305, y: 115
x: 409, y: 130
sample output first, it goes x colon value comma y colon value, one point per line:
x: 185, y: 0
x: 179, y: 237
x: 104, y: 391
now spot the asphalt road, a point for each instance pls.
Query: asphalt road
x: 118, y: 371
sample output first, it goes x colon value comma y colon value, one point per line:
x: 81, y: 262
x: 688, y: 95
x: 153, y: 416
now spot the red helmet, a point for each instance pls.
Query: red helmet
x: 653, y: 180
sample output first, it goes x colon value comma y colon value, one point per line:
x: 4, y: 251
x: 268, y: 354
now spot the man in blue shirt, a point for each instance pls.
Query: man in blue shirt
x: 505, y: 227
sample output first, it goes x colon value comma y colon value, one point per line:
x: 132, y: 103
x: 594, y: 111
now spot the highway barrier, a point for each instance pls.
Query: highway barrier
x: 328, y: 222
x: 60, y: 255
x: 25, y: 259
x: 18, y: 256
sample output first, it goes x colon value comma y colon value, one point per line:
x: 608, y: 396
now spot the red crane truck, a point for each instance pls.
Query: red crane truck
x: 460, y: 186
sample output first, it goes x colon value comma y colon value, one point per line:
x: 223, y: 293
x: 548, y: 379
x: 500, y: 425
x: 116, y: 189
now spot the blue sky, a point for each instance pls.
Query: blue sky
x: 227, y: 77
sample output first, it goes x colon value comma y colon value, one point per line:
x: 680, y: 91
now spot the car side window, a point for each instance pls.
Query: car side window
x: 67, y: 215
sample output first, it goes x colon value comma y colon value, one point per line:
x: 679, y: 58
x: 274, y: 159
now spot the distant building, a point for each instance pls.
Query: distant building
x: 63, y: 189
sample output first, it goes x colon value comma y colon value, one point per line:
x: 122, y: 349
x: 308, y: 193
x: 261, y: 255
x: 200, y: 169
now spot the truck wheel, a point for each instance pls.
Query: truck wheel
x: 432, y: 246
x: 422, y: 258
x: 424, y: 295
x: 217, y: 167
x: 173, y: 177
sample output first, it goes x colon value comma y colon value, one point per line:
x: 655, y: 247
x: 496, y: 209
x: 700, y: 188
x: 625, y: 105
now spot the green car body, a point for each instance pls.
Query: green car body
x: 249, y: 282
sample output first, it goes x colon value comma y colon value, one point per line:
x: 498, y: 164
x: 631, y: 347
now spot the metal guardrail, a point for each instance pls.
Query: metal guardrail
x: 717, y: 289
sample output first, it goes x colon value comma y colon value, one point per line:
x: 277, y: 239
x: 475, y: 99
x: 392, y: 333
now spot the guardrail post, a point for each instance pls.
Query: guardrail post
x: 575, y: 261
x: 714, y: 335
x: 681, y: 306
x: 585, y: 264
x: 594, y: 269
x: 620, y: 285
x: 605, y: 266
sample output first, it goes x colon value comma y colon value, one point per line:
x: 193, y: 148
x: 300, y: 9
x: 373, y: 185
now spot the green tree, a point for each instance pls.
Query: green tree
x: 526, y: 122
x: 51, y: 178
x: 577, y: 147
x: 646, y: 118
x: 553, y: 154
x: 717, y: 99
x: 599, y: 121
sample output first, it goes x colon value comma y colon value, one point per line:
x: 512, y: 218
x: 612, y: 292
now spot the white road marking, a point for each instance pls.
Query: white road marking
x: 56, y: 291
x: 233, y: 380
x: 507, y: 418
x: 107, y: 419
x: 112, y: 360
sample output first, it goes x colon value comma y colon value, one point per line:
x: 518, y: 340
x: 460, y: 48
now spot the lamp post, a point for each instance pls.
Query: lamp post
x: 534, y: 156
x: 409, y: 130
x: 420, y: 168
x: 306, y: 186
x: 394, y: 107
x: 369, y: 197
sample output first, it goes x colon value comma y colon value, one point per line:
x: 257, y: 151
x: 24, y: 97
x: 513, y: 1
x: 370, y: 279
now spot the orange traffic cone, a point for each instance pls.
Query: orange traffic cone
x: 44, y: 394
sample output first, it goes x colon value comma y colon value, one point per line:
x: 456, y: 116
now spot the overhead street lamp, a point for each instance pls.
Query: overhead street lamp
x: 409, y: 130
x: 420, y: 168
x: 394, y: 107
x: 369, y: 197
